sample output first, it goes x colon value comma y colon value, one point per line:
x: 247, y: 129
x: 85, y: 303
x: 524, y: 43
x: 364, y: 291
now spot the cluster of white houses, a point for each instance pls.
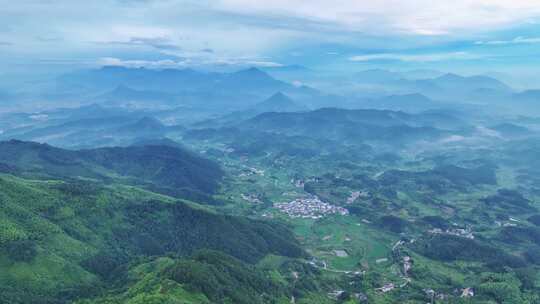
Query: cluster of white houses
x: 310, y: 207
x: 461, y: 232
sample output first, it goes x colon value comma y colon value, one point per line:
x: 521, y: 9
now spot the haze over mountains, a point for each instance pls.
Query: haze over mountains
x: 270, y: 185
x: 280, y: 184
x: 120, y: 105
x: 121, y: 86
x: 269, y: 152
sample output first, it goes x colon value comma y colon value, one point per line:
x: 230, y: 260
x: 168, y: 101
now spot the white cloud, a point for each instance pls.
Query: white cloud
x: 144, y: 32
x: 517, y: 40
x: 297, y: 83
x: 420, y: 17
x: 162, y: 64
x: 415, y: 57
x: 453, y: 139
x: 157, y: 64
x: 251, y: 30
x: 265, y: 64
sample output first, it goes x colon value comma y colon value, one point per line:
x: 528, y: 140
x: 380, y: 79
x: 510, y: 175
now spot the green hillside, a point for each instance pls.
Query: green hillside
x: 164, y: 169
x: 65, y: 239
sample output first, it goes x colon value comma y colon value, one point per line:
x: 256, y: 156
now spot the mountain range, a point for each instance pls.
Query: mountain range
x: 77, y: 224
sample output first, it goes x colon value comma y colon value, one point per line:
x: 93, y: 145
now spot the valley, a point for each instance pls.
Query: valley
x: 282, y: 194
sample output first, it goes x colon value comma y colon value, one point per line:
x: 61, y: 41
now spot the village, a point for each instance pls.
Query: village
x: 309, y: 207
x: 461, y: 232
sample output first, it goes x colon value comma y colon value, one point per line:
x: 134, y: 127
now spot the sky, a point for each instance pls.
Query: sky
x: 470, y: 36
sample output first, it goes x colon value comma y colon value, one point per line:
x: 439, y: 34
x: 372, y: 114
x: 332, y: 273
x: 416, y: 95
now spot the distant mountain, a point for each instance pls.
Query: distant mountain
x: 144, y: 125
x: 460, y: 86
x: 452, y: 87
x: 92, y: 110
x: 145, y: 129
x: 249, y: 80
x: 4, y: 96
x: 521, y: 103
x: 54, y: 130
x: 419, y: 104
x: 408, y: 102
x: 141, y: 88
x: 330, y: 115
x: 421, y: 74
x: 167, y: 80
x: 435, y: 85
x: 310, y: 133
x: 123, y: 94
x: 147, y: 84
x: 376, y: 76
x: 347, y: 125
x: 287, y: 68
x: 510, y: 130
x: 386, y: 76
x: 529, y: 96
x: 56, y: 127
x: 95, y: 132
x: 158, y: 142
x: 278, y: 102
x: 290, y: 72
x: 455, y: 81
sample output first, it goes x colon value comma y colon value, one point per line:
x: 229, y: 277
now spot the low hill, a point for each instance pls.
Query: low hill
x: 165, y: 169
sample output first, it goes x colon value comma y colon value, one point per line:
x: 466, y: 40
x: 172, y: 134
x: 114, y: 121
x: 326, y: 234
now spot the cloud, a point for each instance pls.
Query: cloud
x: 142, y: 32
x: 517, y: 40
x: 156, y: 64
x: 48, y: 39
x: 419, y: 17
x: 263, y: 33
x: 159, y: 43
x: 415, y: 57
x: 453, y: 139
x: 184, y: 63
x: 263, y: 64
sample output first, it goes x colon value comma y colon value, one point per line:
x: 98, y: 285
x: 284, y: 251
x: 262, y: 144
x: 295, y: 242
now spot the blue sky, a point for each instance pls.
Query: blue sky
x: 470, y: 36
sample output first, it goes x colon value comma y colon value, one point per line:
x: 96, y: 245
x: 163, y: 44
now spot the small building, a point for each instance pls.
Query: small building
x: 467, y: 292
x: 387, y: 287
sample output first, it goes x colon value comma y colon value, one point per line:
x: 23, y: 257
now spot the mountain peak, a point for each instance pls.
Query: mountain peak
x: 450, y: 76
x: 112, y: 67
x: 148, y: 123
x: 123, y: 88
x: 253, y: 71
x: 279, y: 96
x: 252, y: 78
x: 278, y: 99
x: 417, y: 96
x: 279, y: 102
